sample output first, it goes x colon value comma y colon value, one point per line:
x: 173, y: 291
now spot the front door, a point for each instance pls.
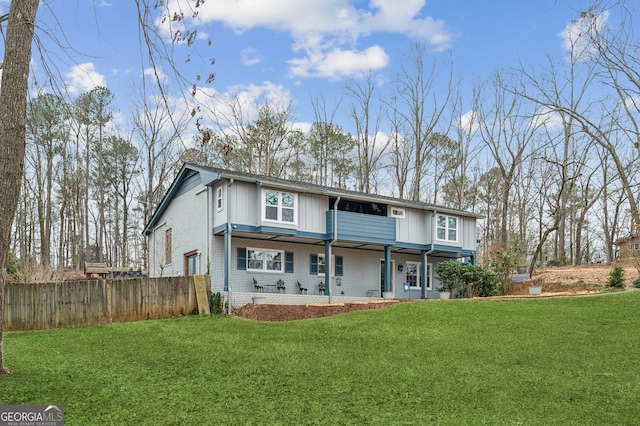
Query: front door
x: 382, y: 275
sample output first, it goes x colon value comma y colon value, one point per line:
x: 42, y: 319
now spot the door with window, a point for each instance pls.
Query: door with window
x: 191, y: 263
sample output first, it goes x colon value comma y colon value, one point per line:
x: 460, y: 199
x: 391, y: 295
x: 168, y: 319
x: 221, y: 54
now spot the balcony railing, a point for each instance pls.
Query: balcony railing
x: 364, y: 228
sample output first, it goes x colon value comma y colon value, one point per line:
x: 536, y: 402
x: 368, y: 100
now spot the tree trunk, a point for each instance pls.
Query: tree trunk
x: 13, y: 111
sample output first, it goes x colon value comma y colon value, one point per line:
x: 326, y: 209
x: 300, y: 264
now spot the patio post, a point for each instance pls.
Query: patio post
x: 327, y: 268
x: 423, y: 274
x: 387, y: 268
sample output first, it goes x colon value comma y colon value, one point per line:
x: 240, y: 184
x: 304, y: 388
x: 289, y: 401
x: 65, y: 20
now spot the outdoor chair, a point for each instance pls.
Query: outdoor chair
x: 321, y: 288
x: 301, y: 289
x: 280, y: 286
x: 257, y: 287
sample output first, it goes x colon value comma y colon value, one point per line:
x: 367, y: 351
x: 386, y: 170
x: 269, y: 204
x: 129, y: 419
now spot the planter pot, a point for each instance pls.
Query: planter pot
x: 259, y: 300
x: 444, y: 294
x: 387, y: 295
x: 535, y: 289
x: 522, y: 269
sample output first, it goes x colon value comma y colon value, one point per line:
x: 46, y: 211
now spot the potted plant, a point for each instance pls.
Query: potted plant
x: 443, y: 294
x: 515, y: 246
x: 450, y: 276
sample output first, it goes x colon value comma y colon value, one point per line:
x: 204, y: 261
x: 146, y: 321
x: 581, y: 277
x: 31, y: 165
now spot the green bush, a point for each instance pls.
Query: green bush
x: 616, y: 277
x: 215, y: 304
x: 553, y: 262
x: 453, y: 274
x: 636, y: 282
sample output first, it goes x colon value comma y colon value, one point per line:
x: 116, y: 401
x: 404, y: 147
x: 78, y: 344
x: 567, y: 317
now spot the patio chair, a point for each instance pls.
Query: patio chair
x: 321, y: 288
x: 280, y: 286
x: 301, y: 289
x: 257, y: 287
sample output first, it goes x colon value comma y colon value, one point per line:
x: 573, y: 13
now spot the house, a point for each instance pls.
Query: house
x: 628, y: 247
x: 293, y: 242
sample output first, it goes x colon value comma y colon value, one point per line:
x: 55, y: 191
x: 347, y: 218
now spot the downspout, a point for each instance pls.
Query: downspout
x: 425, y: 257
x: 227, y: 255
x: 335, y: 238
x: 209, y: 234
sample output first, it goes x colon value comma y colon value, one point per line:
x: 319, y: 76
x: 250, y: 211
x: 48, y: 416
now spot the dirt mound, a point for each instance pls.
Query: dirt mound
x: 589, y: 275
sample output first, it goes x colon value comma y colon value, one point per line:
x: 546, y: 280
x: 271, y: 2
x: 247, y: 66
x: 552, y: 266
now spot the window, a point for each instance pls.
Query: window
x: 447, y: 228
x: 317, y: 265
x: 219, y: 198
x: 264, y: 260
x: 279, y: 206
x: 167, y: 246
x: 191, y: 263
x: 397, y: 212
x: 412, y: 275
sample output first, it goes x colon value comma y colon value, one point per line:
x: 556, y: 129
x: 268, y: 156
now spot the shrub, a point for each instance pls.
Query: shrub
x: 215, y: 304
x: 453, y: 274
x: 553, y: 262
x: 449, y: 274
x: 616, y: 277
x: 636, y: 282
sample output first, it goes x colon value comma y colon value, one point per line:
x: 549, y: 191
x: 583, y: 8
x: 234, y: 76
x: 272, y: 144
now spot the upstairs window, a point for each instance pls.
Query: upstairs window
x: 279, y: 206
x: 447, y: 228
x: 219, y: 204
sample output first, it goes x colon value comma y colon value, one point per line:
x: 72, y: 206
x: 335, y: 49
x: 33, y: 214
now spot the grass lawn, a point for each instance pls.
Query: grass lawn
x: 571, y: 361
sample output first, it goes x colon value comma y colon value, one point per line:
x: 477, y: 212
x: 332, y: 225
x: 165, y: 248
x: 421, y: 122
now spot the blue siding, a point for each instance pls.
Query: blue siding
x: 188, y: 184
x: 363, y: 228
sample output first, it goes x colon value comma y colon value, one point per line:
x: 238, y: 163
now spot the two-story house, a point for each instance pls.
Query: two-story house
x: 301, y: 243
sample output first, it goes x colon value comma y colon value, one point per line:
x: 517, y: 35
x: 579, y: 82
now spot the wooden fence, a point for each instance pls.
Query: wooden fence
x: 80, y: 303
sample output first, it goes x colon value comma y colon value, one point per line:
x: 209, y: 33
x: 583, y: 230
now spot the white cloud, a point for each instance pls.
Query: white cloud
x: 82, y: 78
x: 153, y: 72
x: 548, y: 118
x: 338, y: 63
x: 325, y: 30
x: 576, y: 35
x: 631, y: 102
x: 250, y: 57
x: 304, y: 127
x: 468, y: 122
x: 246, y: 99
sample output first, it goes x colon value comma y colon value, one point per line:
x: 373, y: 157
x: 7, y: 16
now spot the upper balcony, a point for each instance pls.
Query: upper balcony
x: 362, y: 228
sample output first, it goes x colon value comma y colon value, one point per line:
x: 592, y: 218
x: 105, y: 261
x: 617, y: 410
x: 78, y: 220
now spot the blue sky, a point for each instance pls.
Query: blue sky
x: 297, y: 49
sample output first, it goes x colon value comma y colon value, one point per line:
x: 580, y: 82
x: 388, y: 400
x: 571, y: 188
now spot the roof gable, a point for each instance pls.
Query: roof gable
x: 187, y: 178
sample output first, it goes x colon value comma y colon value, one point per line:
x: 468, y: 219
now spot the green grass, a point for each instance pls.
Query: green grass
x: 572, y: 361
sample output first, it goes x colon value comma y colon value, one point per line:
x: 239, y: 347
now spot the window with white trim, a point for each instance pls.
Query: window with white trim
x: 219, y: 204
x: 447, y: 228
x: 397, y: 212
x: 322, y: 263
x: 265, y: 260
x: 412, y: 275
x: 278, y: 206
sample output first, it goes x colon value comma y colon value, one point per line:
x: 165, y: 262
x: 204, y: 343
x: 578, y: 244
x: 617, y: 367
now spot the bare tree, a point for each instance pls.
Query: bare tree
x: 508, y: 131
x: 367, y: 120
x: 422, y: 110
x: 158, y: 135
x: 13, y: 111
